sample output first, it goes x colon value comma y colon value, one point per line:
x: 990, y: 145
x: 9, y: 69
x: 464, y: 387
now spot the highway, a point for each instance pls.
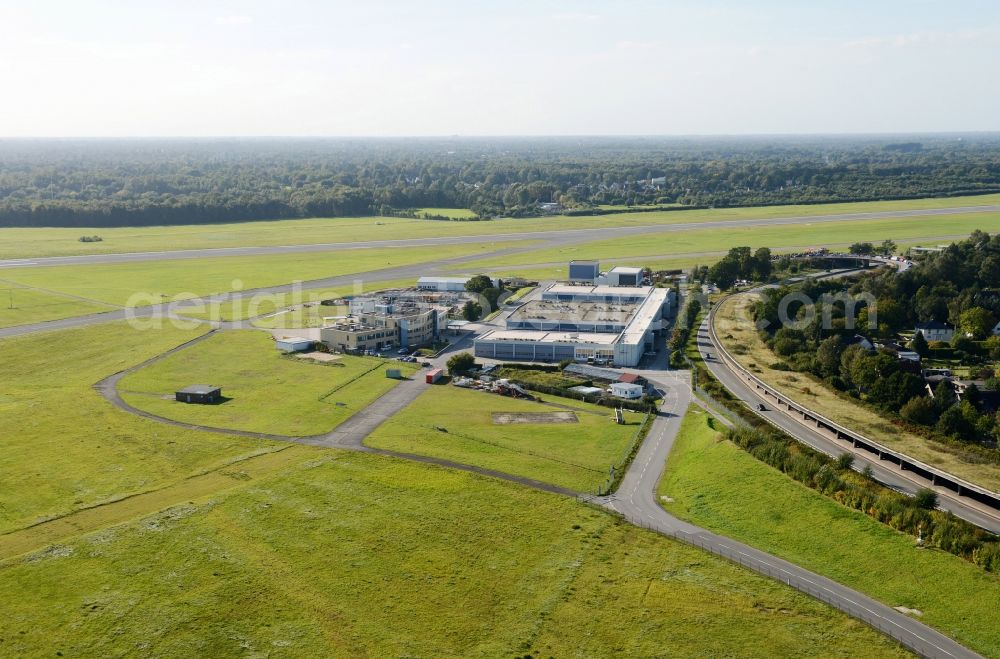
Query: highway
x: 551, y: 238
x: 884, y: 472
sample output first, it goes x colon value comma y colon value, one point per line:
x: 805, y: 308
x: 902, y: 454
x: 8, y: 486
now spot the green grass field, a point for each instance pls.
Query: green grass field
x: 270, y: 392
x: 66, y: 448
x: 22, y: 306
x: 356, y: 555
x: 701, y: 242
x: 179, y: 279
x: 716, y: 485
x: 572, y: 455
x: 32, y: 243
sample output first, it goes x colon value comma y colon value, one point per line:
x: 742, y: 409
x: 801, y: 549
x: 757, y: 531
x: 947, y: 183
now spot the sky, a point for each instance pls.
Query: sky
x: 509, y: 67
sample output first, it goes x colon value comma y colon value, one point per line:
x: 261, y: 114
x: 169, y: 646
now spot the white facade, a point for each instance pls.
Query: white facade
x: 442, y: 284
x: 626, y: 390
x: 934, y: 331
x: 623, y: 347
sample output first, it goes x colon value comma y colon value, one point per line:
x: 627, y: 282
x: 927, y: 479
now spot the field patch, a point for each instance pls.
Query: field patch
x: 24, y: 306
x: 461, y: 425
x: 34, y: 242
x: 65, y: 448
x: 713, y: 483
x: 347, y: 554
x: 265, y: 391
x: 178, y: 279
x: 507, y: 418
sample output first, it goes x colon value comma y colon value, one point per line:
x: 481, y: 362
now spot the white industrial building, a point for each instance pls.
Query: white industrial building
x: 442, y: 284
x: 603, y: 324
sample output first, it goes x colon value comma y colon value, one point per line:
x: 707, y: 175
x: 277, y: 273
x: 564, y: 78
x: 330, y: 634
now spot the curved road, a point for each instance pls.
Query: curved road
x: 635, y: 499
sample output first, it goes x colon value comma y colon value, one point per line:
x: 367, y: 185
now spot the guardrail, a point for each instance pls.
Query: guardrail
x: 935, y: 476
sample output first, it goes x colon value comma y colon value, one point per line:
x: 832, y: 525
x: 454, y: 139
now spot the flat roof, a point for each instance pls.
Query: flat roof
x: 647, y: 311
x: 584, y: 262
x: 294, y: 339
x: 626, y: 269
x: 199, y: 389
x: 539, y: 336
x: 587, y: 312
x: 569, y: 289
x: 449, y: 280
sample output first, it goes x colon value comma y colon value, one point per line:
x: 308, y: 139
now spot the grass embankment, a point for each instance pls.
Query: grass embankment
x: 358, y: 555
x: 32, y: 243
x: 162, y: 281
x: 740, y: 337
x: 572, y: 455
x: 66, y: 448
x: 714, y: 484
x: 519, y: 293
x: 23, y: 306
x: 269, y: 392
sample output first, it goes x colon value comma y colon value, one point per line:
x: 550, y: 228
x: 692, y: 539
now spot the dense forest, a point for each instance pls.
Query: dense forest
x: 144, y: 182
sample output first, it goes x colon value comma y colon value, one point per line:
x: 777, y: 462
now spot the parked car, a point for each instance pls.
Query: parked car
x: 761, y: 407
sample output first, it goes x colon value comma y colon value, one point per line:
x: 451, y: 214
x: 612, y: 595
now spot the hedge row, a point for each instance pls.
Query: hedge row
x: 832, y: 478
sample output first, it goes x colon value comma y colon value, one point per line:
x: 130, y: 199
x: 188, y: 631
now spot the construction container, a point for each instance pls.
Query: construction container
x: 434, y: 375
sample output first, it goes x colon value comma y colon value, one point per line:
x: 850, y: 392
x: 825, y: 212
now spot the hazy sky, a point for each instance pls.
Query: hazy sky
x: 509, y: 67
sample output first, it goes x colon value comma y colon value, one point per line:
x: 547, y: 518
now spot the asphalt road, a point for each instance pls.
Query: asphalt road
x: 636, y: 501
x: 554, y: 238
x: 885, y: 472
x: 636, y: 498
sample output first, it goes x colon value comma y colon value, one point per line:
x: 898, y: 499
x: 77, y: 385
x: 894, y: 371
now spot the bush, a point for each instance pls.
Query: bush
x: 920, y: 409
x: 925, y: 498
x: 845, y: 461
x: 987, y: 556
x: 463, y: 362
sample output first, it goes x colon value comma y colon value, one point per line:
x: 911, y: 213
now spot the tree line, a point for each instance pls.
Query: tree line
x: 89, y: 183
x: 957, y: 286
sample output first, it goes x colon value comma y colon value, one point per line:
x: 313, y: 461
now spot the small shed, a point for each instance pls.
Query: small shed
x: 626, y: 390
x: 293, y: 344
x: 394, y: 373
x: 205, y: 394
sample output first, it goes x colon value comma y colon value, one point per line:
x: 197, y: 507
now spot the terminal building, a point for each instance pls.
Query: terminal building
x: 603, y: 324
